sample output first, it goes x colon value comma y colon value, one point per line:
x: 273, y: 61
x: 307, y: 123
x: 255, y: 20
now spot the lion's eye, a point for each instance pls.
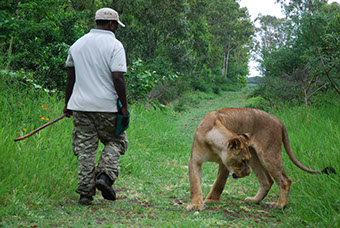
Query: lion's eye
x: 244, y: 162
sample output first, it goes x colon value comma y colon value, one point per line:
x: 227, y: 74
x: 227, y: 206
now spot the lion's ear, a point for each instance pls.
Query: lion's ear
x: 234, y: 144
x: 246, y: 137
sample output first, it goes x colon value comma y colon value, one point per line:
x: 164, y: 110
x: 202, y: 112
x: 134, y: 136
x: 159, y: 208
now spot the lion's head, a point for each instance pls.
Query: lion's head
x: 238, y: 156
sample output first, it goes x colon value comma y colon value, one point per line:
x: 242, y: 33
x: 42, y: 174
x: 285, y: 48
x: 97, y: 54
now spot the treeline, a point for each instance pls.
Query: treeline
x: 174, y: 45
x: 299, y: 55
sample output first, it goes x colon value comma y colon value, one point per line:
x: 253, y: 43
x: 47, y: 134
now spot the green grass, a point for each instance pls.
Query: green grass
x: 315, y: 139
x: 38, y: 175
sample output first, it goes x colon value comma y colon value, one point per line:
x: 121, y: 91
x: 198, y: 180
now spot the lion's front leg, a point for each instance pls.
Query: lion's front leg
x: 195, y: 177
x: 217, y: 189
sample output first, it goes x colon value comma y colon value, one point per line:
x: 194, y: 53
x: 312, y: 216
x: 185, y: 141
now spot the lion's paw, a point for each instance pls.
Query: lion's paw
x: 277, y: 205
x: 195, y: 207
x: 211, y: 200
x: 251, y: 200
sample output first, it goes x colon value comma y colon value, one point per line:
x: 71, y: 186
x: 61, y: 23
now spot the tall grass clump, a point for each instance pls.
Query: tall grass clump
x: 314, y: 134
x: 40, y: 168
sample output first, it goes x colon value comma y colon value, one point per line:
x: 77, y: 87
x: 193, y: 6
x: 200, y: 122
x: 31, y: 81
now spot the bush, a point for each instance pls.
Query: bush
x: 216, y: 89
x: 51, y: 70
x: 225, y: 84
x: 186, y: 102
x: 165, y: 93
x: 279, y: 90
x: 39, y: 38
x: 141, y: 81
x: 201, y: 85
x: 242, y: 81
x: 258, y: 102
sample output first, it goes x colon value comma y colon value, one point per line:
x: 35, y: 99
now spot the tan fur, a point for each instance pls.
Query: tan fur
x: 238, y: 139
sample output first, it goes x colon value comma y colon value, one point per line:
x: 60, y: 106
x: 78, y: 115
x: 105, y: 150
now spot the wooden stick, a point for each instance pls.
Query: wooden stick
x: 38, y: 129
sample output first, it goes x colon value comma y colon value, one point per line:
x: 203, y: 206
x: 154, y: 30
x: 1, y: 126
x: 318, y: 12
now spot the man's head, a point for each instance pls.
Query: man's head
x: 107, y: 18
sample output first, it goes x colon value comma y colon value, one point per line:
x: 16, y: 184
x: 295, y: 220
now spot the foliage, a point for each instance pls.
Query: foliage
x: 242, y: 81
x: 21, y: 78
x: 36, y: 36
x: 140, y: 81
x: 258, y: 103
x: 299, y: 54
x: 182, y: 37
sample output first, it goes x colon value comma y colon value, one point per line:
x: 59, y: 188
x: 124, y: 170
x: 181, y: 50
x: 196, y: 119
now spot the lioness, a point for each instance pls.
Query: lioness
x: 237, y: 139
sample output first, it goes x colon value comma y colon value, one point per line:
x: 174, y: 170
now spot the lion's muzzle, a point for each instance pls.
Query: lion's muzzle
x: 243, y: 173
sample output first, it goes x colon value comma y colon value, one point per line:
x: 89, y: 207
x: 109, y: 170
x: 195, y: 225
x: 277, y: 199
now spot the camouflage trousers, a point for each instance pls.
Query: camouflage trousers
x: 89, y: 129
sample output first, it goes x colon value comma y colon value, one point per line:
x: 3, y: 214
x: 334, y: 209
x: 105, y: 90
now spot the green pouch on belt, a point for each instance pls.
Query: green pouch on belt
x: 122, y: 120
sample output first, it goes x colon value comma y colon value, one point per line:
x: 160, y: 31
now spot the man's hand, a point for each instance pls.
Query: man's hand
x: 125, y: 120
x: 125, y: 111
x: 68, y: 113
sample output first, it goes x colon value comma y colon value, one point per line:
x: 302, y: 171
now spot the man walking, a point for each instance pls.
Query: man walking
x: 95, y: 82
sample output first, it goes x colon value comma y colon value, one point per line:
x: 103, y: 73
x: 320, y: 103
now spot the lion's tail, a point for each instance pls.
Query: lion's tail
x: 292, y: 157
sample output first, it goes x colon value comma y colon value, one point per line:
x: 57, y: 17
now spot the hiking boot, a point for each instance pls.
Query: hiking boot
x: 85, y: 200
x: 104, y: 184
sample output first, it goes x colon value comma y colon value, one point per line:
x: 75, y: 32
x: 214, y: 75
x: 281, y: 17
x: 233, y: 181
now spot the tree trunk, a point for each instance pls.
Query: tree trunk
x: 11, y: 43
x: 224, y: 58
x: 227, y: 60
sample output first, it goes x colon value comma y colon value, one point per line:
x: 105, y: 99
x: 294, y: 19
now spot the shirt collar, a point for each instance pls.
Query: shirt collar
x: 102, y: 31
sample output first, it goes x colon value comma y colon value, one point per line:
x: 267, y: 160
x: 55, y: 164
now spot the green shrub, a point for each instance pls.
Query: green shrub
x: 242, y: 81
x: 216, y: 89
x: 258, y: 102
x: 225, y: 84
x: 39, y: 38
x: 165, y: 93
x: 201, y: 85
x: 51, y: 72
x: 141, y: 80
x: 185, y: 102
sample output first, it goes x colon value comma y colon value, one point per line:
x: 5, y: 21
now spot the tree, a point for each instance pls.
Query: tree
x: 305, y: 61
x: 37, y: 35
x: 312, y: 16
x: 232, y: 31
x: 272, y: 33
x: 194, y: 39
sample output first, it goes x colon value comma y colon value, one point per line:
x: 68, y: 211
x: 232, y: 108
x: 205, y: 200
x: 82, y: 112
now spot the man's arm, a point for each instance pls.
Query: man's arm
x: 120, y: 87
x: 71, y: 78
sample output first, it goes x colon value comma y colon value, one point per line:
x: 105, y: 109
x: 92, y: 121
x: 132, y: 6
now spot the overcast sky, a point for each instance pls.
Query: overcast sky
x: 265, y: 7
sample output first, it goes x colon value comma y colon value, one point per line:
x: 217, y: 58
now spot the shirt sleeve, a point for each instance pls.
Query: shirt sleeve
x: 69, y: 61
x: 118, y: 59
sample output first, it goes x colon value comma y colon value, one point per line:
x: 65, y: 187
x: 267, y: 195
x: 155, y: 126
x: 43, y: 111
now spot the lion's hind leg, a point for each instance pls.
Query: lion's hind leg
x: 217, y: 189
x: 263, y: 177
x: 276, y: 170
x: 284, y: 183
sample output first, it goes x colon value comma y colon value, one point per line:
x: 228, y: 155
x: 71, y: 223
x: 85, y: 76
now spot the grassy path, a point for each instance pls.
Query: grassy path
x: 192, y: 118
